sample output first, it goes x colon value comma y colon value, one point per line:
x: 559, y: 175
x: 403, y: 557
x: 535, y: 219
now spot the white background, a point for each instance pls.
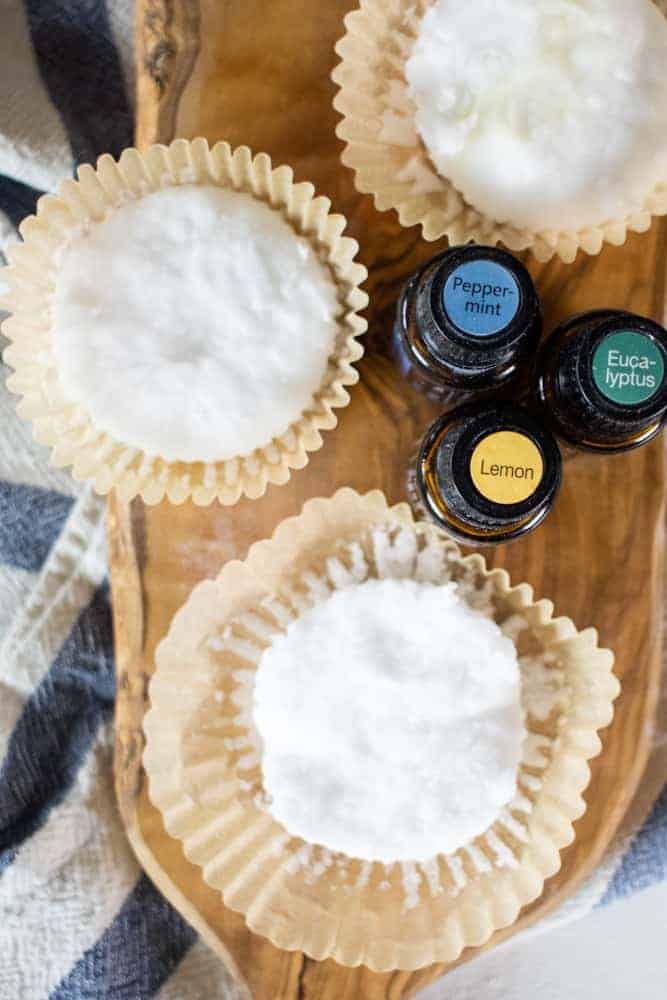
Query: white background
x: 616, y: 953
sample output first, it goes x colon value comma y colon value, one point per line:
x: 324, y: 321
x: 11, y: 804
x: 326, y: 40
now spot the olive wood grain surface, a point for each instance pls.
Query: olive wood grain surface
x: 256, y: 72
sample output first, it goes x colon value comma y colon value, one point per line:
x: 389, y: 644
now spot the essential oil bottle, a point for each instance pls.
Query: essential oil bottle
x: 486, y: 473
x: 602, y: 380
x: 466, y: 321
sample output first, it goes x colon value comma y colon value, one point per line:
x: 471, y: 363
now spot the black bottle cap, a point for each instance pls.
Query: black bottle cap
x: 476, y: 307
x: 623, y: 367
x: 610, y: 377
x: 491, y: 468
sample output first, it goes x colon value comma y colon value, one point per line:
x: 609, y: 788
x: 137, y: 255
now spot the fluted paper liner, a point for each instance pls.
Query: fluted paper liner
x: 390, y: 160
x: 68, y: 428
x: 202, y: 756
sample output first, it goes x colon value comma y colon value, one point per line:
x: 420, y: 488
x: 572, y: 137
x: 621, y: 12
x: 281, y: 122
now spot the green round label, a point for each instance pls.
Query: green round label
x: 628, y: 367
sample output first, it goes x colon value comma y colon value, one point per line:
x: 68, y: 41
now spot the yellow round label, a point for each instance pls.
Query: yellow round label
x: 506, y: 467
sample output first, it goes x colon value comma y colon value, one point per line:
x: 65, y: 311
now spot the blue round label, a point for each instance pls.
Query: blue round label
x: 481, y: 297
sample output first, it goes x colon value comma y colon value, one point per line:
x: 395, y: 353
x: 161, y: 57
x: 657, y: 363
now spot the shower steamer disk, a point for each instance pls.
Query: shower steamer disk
x: 540, y: 124
x: 184, y: 323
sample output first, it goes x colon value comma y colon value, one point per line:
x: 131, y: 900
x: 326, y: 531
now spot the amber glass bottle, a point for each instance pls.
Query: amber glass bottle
x: 466, y: 321
x: 486, y: 473
x: 602, y: 380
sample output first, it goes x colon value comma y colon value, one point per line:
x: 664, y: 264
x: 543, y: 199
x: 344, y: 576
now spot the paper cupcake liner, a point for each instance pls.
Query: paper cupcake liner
x: 202, y: 756
x: 68, y: 428
x: 390, y: 161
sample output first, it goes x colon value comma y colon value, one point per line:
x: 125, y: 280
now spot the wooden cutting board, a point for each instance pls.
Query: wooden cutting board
x: 256, y: 72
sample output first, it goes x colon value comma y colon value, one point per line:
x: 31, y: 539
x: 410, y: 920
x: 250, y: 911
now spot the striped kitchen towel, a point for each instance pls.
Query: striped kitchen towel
x: 77, y: 918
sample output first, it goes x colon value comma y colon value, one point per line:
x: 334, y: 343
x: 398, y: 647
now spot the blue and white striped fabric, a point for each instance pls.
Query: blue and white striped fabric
x: 77, y: 918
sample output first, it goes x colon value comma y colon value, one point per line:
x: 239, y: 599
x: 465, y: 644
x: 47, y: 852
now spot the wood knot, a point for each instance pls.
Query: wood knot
x: 159, y: 46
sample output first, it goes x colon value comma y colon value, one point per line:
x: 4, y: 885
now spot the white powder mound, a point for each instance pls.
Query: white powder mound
x: 193, y: 323
x: 390, y: 721
x: 547, y: 114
